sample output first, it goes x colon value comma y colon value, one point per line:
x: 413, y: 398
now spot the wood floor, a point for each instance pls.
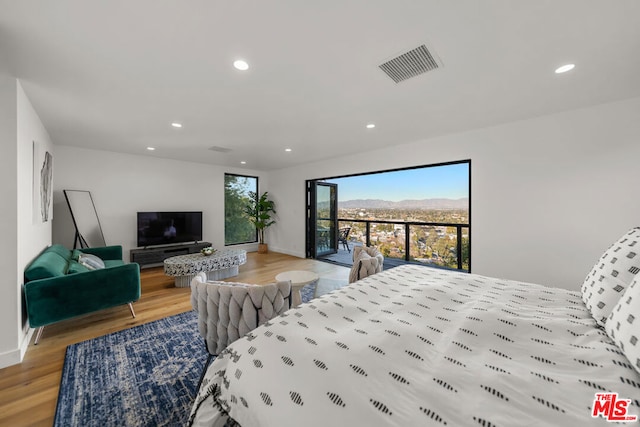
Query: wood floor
x: 29, y: 391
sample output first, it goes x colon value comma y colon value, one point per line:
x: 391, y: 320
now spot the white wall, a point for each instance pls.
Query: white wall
x: 549, y: 194
x: 33, y: 234
x: 9, y: 296
x: 123, y: 184
x: 22, y: 237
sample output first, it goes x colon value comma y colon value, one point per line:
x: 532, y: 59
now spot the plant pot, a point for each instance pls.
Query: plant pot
x: 263, y: 248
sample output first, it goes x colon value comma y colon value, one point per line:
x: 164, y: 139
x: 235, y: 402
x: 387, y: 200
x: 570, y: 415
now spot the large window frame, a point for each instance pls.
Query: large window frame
x: 238, y: 229
x: 464, y: 249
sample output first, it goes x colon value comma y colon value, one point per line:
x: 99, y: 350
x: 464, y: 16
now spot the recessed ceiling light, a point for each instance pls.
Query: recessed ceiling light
x: 371, y: 126
x: 150, y: 148
x: 243, y: 162
x: 241, y: 65
x: 565, y: 68
x: 176, y: 125
x: 288, y: 149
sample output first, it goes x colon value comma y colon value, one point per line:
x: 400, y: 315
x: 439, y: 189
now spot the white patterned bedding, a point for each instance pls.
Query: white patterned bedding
x: 416, y: 346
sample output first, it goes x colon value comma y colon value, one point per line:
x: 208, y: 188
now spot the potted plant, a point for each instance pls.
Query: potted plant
x: 259, y: 212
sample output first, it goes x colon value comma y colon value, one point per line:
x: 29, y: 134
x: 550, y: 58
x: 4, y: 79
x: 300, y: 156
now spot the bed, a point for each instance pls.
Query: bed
x: 416, y: 346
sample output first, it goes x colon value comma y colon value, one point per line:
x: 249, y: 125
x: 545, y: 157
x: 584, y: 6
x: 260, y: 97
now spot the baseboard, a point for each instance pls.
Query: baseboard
x: 24, y: 346
x: 286, y: 252
x: 14, y: 357
x: 9, y: 358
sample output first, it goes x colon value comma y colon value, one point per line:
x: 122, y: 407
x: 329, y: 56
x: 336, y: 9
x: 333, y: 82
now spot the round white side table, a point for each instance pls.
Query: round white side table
x: 299, y: 279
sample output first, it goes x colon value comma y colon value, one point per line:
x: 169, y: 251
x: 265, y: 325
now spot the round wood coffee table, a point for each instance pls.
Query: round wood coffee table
x: 299, y: 279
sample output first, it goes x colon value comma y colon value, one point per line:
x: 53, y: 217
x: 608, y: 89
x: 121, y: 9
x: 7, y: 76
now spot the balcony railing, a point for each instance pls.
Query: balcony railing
x: 440, y: 244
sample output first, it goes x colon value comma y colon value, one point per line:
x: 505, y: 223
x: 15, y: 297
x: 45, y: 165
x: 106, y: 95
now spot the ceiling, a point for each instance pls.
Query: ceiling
x: 114, y: 74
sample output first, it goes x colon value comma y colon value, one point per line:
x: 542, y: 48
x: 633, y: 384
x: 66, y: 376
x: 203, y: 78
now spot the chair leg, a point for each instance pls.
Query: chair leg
x: 204, y: 371
x: 133, y: 313
x: 38, y: 335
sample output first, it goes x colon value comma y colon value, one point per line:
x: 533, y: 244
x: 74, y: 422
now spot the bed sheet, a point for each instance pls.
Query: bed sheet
x: 416, y: 346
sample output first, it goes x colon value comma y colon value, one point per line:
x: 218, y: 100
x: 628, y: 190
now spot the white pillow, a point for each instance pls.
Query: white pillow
x: 612, y: 274
x: 90, y: 261
x: 623, y: 325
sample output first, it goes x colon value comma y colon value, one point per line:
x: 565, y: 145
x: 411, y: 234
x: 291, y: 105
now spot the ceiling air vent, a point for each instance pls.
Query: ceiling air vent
x: 220, y: 149
x: 410, y: 64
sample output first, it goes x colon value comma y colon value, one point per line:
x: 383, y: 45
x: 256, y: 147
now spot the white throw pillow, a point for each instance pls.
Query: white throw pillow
x: 611, y: 275
x: 623, y: 324
x: 90, y: 261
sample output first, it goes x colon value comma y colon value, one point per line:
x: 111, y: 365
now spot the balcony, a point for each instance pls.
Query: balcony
x: 442, y: 245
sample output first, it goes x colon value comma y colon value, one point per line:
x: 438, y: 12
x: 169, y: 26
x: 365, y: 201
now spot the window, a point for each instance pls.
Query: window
x: 237, y: 227
x: 417, y: 215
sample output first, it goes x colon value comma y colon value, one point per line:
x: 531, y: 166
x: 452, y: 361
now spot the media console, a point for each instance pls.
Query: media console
x: 154, y: 256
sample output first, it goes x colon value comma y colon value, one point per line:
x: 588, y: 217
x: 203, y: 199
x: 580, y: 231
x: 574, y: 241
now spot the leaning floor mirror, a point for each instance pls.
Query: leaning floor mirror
x: 85, y: 219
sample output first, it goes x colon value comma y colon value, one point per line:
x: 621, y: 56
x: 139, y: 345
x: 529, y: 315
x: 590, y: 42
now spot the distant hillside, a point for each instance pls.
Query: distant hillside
x: 405, y: 204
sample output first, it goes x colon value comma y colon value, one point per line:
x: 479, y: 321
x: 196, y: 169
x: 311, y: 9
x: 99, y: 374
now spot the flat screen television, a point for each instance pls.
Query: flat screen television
x: 164, y: 228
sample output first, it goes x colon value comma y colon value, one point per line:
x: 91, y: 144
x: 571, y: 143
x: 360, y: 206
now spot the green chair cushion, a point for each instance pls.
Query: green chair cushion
x: 112, y: 263
x: 76, y: 267
x: 48, y: 264
x: 60, y: 250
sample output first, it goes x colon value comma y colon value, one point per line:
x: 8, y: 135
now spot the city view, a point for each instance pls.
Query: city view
x: 426, y: 205
x: 431, y: 244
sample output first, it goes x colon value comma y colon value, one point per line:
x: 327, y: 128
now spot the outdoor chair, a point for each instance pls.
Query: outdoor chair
x: 228, y: 310
x: 342, y: 237
x: 323, y: 238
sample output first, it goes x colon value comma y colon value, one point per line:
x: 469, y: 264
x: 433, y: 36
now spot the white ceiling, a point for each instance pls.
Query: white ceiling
x: 113, y: 74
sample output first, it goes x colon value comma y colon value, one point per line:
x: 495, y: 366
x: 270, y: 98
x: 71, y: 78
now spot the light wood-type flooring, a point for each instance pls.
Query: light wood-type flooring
x: 29, y: 390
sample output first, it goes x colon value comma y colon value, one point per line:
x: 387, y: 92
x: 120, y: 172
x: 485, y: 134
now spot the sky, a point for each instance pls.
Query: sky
x: 448, y: 181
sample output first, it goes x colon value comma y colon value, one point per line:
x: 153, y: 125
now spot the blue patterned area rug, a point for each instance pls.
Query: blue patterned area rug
x: 307, y: 292
x: 143, y: 376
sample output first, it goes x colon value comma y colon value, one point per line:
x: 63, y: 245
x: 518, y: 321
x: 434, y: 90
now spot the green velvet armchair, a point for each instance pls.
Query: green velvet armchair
x: 58, y: 286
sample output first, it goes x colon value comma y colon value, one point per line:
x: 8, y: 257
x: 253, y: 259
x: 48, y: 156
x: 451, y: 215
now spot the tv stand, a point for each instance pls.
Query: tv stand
x: 154, y: 256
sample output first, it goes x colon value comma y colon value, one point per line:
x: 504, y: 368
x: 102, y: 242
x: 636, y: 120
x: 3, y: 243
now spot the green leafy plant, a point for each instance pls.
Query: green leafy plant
x: 259, y: 212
